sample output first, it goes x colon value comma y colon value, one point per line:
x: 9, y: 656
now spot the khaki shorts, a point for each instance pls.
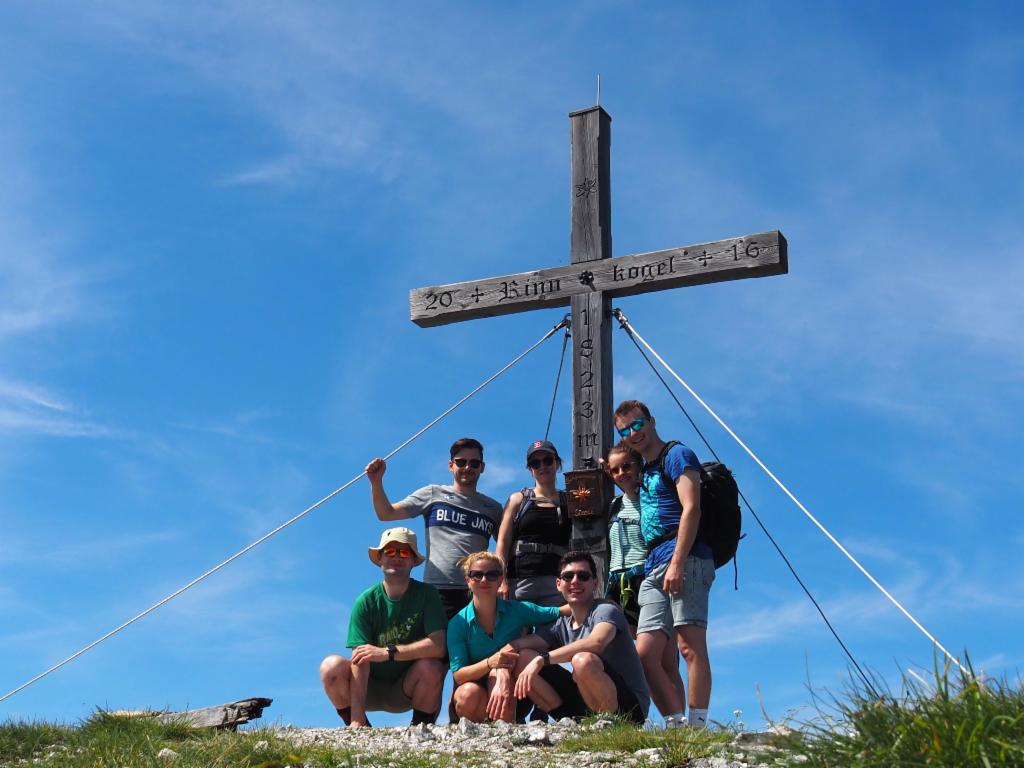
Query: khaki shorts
x: 659, y: 610
x: 384, y: 696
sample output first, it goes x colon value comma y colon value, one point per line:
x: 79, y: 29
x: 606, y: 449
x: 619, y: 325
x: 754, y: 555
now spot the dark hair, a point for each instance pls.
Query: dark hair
x: 466, y: 442
x: 630, y: 405
x: 621, y: 447
x: 577, y: 556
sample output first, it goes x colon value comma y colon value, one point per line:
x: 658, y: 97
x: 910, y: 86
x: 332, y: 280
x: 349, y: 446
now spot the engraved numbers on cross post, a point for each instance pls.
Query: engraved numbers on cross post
x: 585, y: 384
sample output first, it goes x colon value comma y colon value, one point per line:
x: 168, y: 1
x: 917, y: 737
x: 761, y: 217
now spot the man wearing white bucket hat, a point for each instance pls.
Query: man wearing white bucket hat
x: 397, y: 635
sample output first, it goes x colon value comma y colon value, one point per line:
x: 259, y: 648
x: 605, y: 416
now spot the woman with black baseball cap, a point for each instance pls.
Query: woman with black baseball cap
x: 534, y: 531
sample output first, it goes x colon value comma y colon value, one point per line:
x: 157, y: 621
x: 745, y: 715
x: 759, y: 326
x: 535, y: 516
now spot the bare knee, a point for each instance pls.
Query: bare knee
x: 586, y: 664
x: 333, y: 669
x: 692, y: 642
x: 649, y: 647
x: 431, y: 670
x: 468, y: 697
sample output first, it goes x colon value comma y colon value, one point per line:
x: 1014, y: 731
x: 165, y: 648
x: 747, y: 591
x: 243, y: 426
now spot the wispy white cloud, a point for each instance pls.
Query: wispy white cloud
x: 317, y: 75
x: 239, y: 426
x: 92, y: 555
x: 500, y: 472
x: 31, y: 409
x: 931, y: 583
x: 38, y: 289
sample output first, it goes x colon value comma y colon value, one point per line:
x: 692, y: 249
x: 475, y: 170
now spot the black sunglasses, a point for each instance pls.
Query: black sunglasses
x: 547, y: 461
x: 583, y: 576
x: 481, y: 575
x: 471, y: 463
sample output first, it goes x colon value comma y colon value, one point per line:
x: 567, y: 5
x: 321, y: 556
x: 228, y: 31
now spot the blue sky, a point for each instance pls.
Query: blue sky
x: 212, y: 214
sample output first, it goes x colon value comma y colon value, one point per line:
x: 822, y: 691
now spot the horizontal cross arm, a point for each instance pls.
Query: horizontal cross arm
x: 759, y: 255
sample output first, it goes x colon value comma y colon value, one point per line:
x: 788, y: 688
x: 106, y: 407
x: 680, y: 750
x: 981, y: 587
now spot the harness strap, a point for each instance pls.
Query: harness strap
x: 666, y: 536
x: 533, y: 547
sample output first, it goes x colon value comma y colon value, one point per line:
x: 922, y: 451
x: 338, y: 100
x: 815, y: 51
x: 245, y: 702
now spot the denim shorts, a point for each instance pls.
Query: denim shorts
x: 660, y: 610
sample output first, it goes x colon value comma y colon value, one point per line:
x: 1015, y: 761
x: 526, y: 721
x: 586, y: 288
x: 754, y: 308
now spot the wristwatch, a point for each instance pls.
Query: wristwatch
x: 546, y: 656
x: 392, y: 651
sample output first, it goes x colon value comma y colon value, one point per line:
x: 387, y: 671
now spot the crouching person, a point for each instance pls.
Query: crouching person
x: 594, y: 639
x: 397, y: 636
x: 483, y: 665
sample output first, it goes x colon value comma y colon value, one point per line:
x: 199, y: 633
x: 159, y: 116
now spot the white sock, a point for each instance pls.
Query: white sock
x: 698, y: 718
x: 675, y: 720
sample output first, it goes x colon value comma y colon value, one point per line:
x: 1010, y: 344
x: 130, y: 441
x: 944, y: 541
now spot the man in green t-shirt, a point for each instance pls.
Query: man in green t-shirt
x: 397, y: 635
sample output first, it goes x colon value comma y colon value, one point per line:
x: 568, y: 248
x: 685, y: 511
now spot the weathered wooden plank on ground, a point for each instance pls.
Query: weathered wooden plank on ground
x: 221, y: 716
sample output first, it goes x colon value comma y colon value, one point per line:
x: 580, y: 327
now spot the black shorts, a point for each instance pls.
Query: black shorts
x: 623, y: 592
x: 453, y: 599
x: 523, y: 706
x: 573, y: 705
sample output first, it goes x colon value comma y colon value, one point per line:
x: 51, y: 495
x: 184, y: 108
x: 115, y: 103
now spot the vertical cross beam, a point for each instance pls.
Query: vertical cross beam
x: 591, y: 240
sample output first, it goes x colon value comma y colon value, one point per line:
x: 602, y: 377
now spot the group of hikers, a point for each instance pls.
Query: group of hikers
x: 507, y: 623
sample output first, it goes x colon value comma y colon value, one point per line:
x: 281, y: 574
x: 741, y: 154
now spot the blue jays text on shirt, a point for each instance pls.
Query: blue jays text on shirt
x: 449, y: 516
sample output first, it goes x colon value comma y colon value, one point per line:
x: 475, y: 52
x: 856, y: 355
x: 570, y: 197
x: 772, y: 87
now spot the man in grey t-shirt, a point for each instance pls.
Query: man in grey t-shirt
x: 458, y: 520
x: 594, y: 639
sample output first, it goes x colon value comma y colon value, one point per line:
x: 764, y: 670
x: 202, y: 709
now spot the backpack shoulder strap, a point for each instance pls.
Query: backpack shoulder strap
x: 614, y: 509
x: 524, y: 505
x: 659, y: 462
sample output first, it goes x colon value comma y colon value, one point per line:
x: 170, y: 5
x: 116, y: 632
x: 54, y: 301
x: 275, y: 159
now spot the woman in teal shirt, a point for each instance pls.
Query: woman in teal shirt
x: 483, y: 669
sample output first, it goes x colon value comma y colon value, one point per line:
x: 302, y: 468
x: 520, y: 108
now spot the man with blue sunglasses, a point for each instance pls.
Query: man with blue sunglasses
x: 679, y: 568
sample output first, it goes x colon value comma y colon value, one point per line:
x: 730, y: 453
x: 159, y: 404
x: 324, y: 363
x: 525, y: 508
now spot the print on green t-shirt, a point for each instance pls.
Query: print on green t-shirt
x: 378, y: 620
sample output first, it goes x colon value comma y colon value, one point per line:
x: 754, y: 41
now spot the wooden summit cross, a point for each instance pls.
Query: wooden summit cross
x: 588, y: 285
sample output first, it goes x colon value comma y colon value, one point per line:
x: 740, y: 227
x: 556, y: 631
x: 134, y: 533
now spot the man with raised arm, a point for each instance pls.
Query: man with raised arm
x: 458, y: 520
x: 397, y: 635
x: 594, y: 639
x: 679, y: 568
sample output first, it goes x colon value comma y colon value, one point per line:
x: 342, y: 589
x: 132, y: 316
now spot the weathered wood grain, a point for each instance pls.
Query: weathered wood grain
x: 590, y: 249
x: 758, y: 255
x: 221, y: 716
x: 590, y: 246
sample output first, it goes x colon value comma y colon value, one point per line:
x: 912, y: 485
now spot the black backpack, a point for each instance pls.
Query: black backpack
x: 720, y: 518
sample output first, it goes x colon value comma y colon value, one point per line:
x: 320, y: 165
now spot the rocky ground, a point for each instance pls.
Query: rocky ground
x: 502, y: 745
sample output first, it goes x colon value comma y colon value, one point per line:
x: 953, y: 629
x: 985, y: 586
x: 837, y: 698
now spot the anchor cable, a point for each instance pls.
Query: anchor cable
x: 285, y: 524
x: 821, y: 612
x: 632, y: 331
x: 558, y: 376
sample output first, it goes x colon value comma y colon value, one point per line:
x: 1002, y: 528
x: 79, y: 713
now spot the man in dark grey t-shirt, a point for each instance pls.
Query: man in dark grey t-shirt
x: 594, y: 639
x: 458, y: 520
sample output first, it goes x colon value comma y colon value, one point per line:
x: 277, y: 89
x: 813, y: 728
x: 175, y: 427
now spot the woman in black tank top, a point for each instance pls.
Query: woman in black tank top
x: 535, y: 530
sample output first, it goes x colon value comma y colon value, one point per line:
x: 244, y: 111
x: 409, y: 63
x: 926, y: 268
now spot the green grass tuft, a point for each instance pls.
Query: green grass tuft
x: 678, y: 745
x: 952, y: 720
x: 21, y: 741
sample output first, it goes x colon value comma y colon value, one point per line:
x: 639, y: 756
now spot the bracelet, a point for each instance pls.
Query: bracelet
x: 392, y: 651
x: 546, y: 657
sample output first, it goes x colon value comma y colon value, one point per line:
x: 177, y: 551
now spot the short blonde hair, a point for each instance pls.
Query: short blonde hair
x: 466, y: 563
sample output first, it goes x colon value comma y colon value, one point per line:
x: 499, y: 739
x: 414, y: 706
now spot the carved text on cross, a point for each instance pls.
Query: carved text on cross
x: 593, y: 278
x: 588, y: 284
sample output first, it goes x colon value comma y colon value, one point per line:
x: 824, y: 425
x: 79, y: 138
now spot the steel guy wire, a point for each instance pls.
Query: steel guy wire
x: 625, y: 323
x: 792, y: 569
x: 283, y: 525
